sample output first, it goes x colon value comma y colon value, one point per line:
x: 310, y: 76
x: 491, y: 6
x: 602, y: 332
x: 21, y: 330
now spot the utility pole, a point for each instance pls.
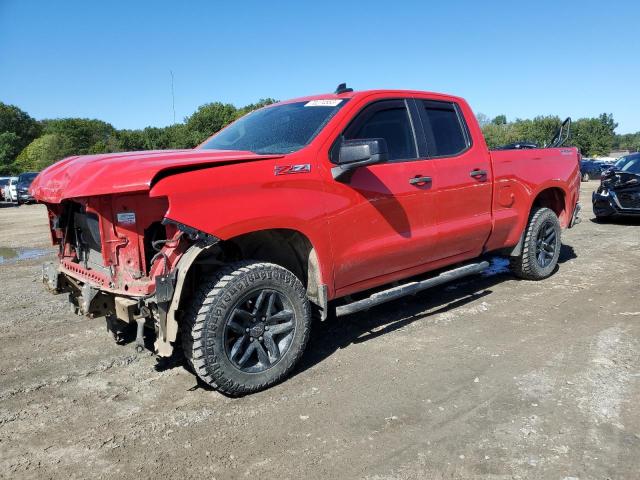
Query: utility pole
x: 173, y: 99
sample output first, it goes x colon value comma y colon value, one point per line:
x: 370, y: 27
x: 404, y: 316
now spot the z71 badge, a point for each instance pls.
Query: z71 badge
x: 287, y: 169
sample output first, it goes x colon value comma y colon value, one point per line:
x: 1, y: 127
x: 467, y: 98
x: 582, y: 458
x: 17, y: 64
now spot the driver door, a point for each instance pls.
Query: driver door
x: 383, y: 219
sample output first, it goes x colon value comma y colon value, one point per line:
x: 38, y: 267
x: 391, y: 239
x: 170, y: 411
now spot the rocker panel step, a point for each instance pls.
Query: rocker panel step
x: 410, y: 288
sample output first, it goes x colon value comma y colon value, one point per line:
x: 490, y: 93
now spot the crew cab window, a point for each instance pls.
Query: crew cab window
x: 445, y: 132
x: 388, y: 119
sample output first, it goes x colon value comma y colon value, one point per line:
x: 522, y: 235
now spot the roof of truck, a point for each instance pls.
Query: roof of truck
x: 366, y: 93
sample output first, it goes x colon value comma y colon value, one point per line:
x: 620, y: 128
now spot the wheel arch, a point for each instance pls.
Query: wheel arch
x: 285, y: 247
x: 553, y: 197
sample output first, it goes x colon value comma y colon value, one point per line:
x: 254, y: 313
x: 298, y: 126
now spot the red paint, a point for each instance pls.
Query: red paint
x: 111, y: 173
x: 372, y: 230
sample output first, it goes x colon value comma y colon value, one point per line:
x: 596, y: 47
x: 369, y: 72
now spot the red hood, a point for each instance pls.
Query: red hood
x: 90, y: 175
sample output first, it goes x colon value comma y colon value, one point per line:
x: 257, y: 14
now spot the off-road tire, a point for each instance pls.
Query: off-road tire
x: 526, y: 265
x: 205, y: 318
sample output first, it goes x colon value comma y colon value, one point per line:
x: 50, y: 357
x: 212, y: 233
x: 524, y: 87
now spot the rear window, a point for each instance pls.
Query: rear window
x: 443, y: 128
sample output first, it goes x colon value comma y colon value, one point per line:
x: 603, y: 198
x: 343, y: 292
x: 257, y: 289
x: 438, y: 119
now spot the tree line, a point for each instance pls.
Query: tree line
x: 27, y: 144
x: 595, y: 137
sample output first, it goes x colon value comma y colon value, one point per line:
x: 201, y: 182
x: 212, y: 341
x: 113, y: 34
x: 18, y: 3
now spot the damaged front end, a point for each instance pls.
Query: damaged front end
x: 119, y: 258
x: 618, y: 194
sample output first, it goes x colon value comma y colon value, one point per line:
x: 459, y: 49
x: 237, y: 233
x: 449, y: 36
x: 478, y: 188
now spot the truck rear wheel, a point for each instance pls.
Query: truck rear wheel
x: 247, y: 326
x: 541, y: 247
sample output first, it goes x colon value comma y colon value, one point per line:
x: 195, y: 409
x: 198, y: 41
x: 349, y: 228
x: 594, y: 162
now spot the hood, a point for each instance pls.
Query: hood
x: 90, y: 175
x: 618, y: 179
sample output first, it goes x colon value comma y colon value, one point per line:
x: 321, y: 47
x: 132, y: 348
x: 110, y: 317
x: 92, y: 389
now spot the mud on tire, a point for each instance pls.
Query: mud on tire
x: 246, y: 327
x: 541, y: 246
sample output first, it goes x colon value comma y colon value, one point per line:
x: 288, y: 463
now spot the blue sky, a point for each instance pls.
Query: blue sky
x: 111, y: 59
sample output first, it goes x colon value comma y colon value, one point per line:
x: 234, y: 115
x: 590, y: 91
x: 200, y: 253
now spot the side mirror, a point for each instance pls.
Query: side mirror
x: 359, y: 153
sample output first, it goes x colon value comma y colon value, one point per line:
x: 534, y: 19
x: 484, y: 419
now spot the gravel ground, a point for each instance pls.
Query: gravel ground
x: 489, y: 377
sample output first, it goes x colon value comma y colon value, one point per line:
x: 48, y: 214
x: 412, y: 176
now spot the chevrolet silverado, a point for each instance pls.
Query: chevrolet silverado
x: 329, y: 203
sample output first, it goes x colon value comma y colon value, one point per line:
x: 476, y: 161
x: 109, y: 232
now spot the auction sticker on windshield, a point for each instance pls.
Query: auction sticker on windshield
x: 323, y: 103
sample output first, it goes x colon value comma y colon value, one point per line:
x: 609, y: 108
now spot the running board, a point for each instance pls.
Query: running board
x: 410, y: 288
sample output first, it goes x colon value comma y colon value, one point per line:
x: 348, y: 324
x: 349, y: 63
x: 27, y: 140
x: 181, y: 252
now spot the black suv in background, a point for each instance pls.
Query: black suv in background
x: 619, y: 190
x: 22, y: 187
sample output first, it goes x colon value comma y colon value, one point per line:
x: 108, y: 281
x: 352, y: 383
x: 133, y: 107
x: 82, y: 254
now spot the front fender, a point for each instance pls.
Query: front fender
x: 233, y: 200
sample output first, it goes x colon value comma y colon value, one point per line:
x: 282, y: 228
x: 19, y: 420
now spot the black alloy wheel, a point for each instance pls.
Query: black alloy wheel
x: 246, y: 326
x: 539, y: 251
x: 259, y: 331
x: 546, y: 244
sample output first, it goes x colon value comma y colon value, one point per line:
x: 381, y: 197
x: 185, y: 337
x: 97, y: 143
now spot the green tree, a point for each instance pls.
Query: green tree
x: 594, y: 136
x: 85, y: 135
x: 500, y: 120
x: 176, y: 136
x: 42, y: 152
x: 627, y: 141
x: 9, y: 150
x: 496, y: 135
x: 130, y: 140
x: 263, y: 102
x: 17, y: 130
x: 209, y: 119
x: 540, y: 130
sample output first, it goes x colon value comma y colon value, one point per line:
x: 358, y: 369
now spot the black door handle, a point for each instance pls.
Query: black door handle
x: 419, y: 180
x: 478, y: 173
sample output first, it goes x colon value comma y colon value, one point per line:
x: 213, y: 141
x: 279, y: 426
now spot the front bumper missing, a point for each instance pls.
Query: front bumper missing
x: 88, y: 299
x: 92, y: 301
x: 160, y: 305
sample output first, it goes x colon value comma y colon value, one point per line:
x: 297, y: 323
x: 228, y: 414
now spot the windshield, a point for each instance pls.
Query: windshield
x: 4, y: 181
x: 279, y: 129
x: 27, y: 177
x: 632, y: 165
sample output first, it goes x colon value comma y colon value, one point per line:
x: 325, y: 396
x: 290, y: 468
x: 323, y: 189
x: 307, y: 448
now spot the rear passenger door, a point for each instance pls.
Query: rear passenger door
x: 462, y: 185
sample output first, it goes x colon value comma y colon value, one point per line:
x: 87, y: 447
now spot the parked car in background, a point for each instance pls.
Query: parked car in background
x: 592, y: 169
x: 10, y: 192
x: 22, y: 187
x: 604, y: 165
x: 619, y: 191
x: 3, y: 182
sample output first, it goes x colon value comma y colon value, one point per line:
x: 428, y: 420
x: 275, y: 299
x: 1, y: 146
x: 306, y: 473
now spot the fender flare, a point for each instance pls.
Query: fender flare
x: 167, y: 335
x: 517, y: 248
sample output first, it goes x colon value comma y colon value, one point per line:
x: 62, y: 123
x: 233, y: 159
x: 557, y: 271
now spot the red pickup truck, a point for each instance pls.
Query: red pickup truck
x: 332, y: 202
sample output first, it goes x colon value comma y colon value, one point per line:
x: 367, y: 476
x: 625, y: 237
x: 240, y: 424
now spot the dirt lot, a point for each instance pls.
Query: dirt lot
x: 490, y: 377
